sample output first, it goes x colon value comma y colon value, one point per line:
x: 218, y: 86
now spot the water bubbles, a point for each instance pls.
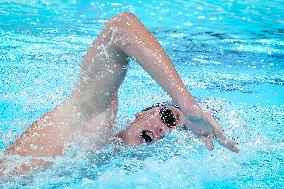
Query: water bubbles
x: 33, y: 147
x: 199, y: 8
x: 188, y: 24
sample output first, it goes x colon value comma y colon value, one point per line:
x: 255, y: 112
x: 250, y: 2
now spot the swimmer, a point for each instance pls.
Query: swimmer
x: 89, y: 113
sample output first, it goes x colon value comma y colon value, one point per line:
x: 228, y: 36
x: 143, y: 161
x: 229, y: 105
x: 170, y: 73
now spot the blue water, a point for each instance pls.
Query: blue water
x: 229, y: 52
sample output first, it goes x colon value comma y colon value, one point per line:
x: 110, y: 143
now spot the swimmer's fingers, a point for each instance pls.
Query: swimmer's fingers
x: 224, y: 141
x: 208, y: 142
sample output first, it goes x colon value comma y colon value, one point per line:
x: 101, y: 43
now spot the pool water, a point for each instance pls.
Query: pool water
x: 230, y: 53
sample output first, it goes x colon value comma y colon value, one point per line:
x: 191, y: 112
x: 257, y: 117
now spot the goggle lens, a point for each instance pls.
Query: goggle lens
x: 168, y: 117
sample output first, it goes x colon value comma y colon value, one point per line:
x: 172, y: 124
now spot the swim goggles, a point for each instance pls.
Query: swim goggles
x: 167, y: 117
x: 166, y: 114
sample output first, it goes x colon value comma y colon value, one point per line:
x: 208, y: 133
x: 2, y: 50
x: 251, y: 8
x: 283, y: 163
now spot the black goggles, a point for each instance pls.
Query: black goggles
x: 167, y: 117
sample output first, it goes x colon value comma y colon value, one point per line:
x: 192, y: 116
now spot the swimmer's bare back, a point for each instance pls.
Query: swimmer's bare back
x: 92, y: 106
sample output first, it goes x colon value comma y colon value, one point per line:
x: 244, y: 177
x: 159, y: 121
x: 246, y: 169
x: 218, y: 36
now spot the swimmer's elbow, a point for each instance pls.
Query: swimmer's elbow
x: 122, y: 21
x: 124, y: 17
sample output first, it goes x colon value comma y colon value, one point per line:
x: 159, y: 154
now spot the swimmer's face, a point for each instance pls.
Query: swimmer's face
x: 148, y: 126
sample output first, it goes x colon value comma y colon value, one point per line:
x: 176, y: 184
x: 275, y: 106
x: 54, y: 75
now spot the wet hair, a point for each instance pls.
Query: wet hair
x: 167, y: 103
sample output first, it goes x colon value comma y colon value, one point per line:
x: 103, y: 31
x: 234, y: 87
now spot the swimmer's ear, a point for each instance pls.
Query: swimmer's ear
x: 208, y: 142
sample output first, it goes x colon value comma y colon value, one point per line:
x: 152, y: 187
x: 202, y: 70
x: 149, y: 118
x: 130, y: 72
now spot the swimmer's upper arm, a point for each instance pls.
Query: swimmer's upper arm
x: 112, y: 109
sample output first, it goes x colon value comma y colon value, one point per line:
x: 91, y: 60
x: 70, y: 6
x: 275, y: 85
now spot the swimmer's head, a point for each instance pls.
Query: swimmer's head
x: 152, y: 124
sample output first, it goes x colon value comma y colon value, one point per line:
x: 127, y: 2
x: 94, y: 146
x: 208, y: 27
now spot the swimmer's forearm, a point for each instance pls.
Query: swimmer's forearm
x: 138, y: 43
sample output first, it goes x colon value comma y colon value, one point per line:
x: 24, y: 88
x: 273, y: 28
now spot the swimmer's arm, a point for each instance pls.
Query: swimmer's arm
x: 137, y: 42
x: 105, y: 64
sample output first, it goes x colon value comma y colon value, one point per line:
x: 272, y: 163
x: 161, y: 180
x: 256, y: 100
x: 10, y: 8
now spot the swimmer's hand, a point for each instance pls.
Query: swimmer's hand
x: 205, y: 126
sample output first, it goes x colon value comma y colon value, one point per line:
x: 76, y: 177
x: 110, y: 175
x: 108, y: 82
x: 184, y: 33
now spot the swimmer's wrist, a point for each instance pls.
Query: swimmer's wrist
x: 184, y: 99
x: 188, y: 105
